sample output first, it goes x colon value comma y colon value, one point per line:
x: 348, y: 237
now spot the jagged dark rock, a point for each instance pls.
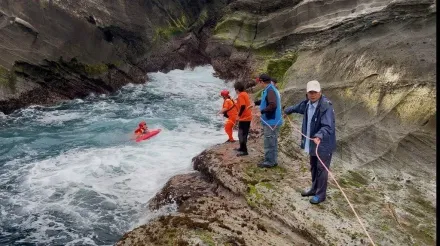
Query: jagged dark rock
x: 121, y: 43
x: 375, y: 60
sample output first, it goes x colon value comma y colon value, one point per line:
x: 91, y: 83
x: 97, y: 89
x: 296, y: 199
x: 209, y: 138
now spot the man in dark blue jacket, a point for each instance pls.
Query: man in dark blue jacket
x: 318, y: 124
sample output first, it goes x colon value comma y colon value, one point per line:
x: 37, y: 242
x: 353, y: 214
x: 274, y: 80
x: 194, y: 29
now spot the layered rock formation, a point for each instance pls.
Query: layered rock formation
x: 233, y: 202
x: 376, y: 62
x: 58, y: 50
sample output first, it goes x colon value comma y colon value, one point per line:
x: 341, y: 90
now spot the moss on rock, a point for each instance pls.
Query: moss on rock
x: 274, y: 67
x: 95, y: 69
x: 239, y: 28
x: 174, y: 28
x: 277, y: 68
x: 353, y: 179
x: 8, y: 78
x: 206, y: 237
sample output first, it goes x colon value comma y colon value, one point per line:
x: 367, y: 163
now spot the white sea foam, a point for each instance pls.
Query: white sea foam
x: 79, y: 179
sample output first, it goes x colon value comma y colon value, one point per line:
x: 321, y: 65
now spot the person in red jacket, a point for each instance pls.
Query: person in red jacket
x: 142, y: 129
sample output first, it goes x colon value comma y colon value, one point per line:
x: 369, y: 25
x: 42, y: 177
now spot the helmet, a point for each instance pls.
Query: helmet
x: 143, y: 123
x: 224, y: 93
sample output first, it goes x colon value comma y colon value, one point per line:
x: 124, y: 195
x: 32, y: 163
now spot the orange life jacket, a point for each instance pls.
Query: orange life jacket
x: 140, y: 130
x: 243, y: 100
x: 231, y: 111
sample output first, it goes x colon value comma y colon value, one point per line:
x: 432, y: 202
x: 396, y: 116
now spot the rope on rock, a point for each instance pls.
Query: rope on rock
x: 334, y: 179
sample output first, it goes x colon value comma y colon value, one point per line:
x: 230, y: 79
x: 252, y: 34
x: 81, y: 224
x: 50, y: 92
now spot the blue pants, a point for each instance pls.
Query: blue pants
x: 319, y: 175
x: 270, y: 145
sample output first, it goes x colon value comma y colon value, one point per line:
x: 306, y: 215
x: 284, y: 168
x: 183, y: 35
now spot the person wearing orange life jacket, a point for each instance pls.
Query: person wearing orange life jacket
x: 229, y: 110
x: 244, y: 117
x: 142, y: 129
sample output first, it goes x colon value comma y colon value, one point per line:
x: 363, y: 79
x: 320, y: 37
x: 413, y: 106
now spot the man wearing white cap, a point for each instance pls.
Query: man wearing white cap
x: 318, y: 124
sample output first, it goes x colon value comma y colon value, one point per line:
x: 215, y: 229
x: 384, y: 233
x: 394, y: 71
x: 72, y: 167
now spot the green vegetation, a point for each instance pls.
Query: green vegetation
x: 239, y: 28
x: 176, y: 27
x: 90, y: 69
x: 259, y: 175
x: 265, y: 52
x: 253, y: 197
x: 353, y: 179
x: 255, y: 193
x: 267, y: 185
x: 277, y: 68
x: 206, y: 237
x: 8, y: 78
x: 231, y: 22
x: 95, y: 69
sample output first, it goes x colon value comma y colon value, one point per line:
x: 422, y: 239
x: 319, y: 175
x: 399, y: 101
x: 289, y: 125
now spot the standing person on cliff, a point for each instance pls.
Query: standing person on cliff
x: 271, y: 119
x: 229, y: 110
x: 319, y: 125
x: 273, y: 82
x: 244, y: 117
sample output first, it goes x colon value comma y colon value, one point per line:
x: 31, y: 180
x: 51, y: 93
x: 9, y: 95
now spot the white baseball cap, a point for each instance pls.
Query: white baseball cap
x: 313, y: 86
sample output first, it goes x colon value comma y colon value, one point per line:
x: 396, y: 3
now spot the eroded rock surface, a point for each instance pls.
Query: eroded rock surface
x: 238, y: 203
x: 60, y: 50
x: 376, y: 62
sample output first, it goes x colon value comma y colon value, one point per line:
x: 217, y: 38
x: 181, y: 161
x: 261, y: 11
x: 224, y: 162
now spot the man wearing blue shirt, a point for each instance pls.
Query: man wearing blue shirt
x: 318, y: 124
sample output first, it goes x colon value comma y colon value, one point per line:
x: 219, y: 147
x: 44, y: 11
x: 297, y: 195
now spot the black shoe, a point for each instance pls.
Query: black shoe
x: 307, y: 193
x: 242, y: 154
x: 265, y: 165
x: 230, y: 141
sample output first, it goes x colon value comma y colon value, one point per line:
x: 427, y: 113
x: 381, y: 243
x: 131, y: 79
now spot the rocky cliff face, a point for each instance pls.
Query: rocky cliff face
x: 233, y: 202
x: 56, y: 50
x: 264, y: 33
x: 376, y: 62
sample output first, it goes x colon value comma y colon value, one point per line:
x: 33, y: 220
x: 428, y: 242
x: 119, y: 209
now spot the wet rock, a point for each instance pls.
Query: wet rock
x: 116, y: 50
x: 91, y: 19
x: 181, y: 188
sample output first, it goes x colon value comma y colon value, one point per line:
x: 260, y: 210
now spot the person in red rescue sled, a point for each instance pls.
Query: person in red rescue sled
x: 142, y: 129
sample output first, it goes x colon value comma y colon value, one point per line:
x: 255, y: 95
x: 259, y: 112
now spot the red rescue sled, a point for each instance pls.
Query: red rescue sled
x: 148, y: 135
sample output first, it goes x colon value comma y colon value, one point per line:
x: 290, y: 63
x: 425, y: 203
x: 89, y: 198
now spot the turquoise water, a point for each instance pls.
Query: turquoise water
x: 69, y: 173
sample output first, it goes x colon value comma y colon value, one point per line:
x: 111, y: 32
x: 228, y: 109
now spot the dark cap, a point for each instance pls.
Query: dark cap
x: 264, y: 77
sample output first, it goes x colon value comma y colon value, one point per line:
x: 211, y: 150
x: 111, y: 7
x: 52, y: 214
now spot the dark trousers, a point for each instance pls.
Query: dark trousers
x: 243, y: 131
x: 319, y: 175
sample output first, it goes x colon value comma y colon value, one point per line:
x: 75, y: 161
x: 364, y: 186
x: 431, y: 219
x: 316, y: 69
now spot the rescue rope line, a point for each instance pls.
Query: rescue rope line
x: 331, y: 175
x: 328, y: 171
x: 273, y: 129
